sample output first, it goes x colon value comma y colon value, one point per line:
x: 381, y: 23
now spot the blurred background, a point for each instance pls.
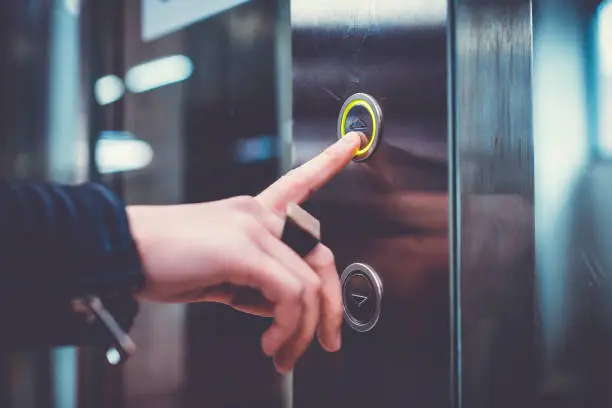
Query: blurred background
x: 572, y: 95
x: 170, y: 107
x: 166, y: 107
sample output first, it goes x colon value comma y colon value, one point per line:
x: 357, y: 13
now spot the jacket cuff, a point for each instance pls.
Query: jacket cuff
x: 61, y: 243
x: 115, y: 268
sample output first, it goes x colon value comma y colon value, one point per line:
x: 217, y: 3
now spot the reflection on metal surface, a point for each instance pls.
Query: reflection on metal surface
x: 159, y: 72
x: 493, y: 213
x: 256, y: 149
x: 112, y: 356
x: 108, y: 89
x: 390, y: 211
x: 162, y: 17
x: 373, y: 14
x: 121, y: 151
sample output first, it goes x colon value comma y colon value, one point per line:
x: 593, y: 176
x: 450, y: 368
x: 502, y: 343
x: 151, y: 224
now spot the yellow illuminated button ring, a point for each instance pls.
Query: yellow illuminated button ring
x: 361, y: 112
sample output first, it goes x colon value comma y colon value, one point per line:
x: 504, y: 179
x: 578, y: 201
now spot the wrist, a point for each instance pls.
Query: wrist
x: 137, y: 220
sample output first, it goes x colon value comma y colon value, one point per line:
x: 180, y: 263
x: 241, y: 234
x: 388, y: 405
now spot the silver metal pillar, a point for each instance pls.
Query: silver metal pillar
x: 493, y: 203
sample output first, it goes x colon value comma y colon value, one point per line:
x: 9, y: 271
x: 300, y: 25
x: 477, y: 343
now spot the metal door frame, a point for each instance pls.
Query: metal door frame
x: 491, y: 177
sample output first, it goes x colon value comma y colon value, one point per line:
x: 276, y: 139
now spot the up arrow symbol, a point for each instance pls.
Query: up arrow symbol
x: 358, y: 124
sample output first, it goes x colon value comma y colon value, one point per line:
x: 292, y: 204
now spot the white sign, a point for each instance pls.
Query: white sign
x: 162, y: 17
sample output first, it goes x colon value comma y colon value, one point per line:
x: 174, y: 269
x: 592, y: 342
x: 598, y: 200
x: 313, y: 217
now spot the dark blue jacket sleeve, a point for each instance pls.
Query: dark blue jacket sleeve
x: 58, y: 243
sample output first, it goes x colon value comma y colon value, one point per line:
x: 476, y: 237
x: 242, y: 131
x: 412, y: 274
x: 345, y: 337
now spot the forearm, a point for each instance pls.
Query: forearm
x: 58, y: 243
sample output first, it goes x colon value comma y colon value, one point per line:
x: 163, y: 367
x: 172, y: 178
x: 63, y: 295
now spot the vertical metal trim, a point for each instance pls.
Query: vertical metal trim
x: 493, y: 195
x: 453, y: 228
x: 284, y: 84
x: 62, y: 134
x: 65, y: 146
x: 284, y: 113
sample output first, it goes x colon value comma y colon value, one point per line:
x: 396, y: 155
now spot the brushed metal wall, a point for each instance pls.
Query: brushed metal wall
x: 389, y: 212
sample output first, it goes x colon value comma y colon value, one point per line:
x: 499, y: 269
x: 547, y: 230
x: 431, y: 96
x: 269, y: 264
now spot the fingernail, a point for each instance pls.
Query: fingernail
x: 350, y: 138
x: 280, y: 368
x: 338, y: 342
x: 363, y: 140
x: 267, y: 347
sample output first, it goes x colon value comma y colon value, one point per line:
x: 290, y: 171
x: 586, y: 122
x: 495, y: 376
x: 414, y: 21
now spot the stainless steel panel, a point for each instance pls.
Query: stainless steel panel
x: 493, y: 203
x: 389, y: 212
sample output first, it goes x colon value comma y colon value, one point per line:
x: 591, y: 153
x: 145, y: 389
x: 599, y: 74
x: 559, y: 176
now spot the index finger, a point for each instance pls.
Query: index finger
x: 299, y: 183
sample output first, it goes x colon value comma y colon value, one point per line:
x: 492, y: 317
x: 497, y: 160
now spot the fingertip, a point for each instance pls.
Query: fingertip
x: 354, y: 139
x: 331, y: 342
x: 337, y: 342
x: 282, y: 368
x: 269, y: 344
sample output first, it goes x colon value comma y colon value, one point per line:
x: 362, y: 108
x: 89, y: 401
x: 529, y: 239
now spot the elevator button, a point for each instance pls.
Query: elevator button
x: 359, y: 297
x: 361, y: 113
x: 362, y: 296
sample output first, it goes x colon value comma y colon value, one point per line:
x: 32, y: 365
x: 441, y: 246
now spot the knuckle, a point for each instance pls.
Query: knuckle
x: 246, y: 203
x: 316, y: 286
x: 250, y: 225
x: 294, y: 292
x: 312, y: 290
x: 324, y: 257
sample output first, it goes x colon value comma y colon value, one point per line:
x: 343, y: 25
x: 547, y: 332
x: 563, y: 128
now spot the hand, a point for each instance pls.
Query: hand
x: 230, y: 251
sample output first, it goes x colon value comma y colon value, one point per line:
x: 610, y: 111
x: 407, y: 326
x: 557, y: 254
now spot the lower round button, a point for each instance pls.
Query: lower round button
x: 362, y: 296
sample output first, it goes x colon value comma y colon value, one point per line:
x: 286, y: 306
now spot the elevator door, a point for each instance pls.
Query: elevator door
x: 387, y: 213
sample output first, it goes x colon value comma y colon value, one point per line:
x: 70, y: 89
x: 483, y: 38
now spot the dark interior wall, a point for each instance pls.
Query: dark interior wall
x: 24, y: 69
